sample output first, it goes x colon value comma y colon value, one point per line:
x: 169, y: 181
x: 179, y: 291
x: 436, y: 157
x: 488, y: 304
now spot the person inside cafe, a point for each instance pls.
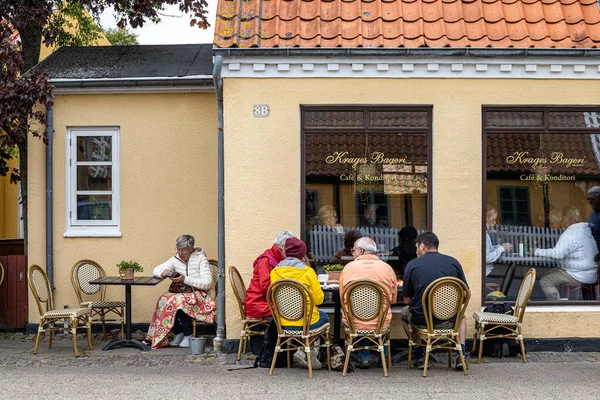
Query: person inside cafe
x: 593, y: 198
x: 188, y: 296
x: 292, y: 267
x: 344, y: 255
x: 429, y: 265
x: 576, y: 248
x: 405, y: 251
x: 329, y: 217
x: 493, y: 252
x: 367, y: 265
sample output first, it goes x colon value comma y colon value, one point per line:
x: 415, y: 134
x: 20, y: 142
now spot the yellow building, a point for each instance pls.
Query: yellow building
x: 371, y: 115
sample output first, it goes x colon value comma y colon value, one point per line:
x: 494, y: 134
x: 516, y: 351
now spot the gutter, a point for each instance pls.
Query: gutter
x: 49, y: 202
x: 218, y: 84
x: 406, y: 52
x: 202, y: 80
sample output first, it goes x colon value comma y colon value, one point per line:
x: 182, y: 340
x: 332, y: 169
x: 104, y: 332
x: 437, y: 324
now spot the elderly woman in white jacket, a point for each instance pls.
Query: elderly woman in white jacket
x: 576, y: 248
x: 188, y: 296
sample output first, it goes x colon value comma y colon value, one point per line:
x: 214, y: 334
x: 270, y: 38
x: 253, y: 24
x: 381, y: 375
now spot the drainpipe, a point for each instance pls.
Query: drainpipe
x: 218, y: 82
x: 49, y: 248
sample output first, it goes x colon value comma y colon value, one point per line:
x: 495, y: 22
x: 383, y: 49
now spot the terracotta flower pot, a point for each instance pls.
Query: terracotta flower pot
x: 334, y: 275
x: 127, y: 274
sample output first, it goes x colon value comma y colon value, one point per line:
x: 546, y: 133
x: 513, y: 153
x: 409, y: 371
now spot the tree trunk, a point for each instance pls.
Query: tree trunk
x: 23, y: 171
x: 31, y: 41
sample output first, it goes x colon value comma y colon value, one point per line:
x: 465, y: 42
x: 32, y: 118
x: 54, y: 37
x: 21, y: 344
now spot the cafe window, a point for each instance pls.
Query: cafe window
x: 366, y: 168
x: 540, y: 164
x: 92, y: 182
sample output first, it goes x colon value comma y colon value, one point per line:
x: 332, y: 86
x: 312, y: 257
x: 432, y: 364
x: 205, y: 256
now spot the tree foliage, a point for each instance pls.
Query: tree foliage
x: 121, y: 37
x: 24, y: 26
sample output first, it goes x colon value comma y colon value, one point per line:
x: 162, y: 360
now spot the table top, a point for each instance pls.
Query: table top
x: 116, y: 280
x: 336, y: 288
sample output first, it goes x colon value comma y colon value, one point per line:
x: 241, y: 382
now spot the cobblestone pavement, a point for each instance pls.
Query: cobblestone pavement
x: 16, y: 349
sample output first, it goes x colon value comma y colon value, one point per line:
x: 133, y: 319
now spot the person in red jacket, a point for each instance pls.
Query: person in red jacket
x: 255, y: 305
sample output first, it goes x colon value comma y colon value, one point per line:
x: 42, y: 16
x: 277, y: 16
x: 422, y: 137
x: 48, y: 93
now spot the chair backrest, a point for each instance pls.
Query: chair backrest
x: 365, y: 300
x: 1, y: 274
x: 81, y: 274
x: 291, y: 300
x: 239, y: 289
x: 524, y: 294
x: 40, y: 288
x: 444, y: 299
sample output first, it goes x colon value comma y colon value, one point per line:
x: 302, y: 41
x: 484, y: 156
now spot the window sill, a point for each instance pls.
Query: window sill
x: 93, y: 232
x: 565, y: 308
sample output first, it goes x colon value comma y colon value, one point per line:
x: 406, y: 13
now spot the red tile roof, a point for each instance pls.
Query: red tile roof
x: 408, y: 23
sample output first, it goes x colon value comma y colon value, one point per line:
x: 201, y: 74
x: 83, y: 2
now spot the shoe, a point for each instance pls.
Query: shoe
x: 420, y: 363
x: 362, y: 365
x: 185, y: 342
x: 300, y: 358
x: 458, y: 364
x: 314, y: 361
x: 177, y: 339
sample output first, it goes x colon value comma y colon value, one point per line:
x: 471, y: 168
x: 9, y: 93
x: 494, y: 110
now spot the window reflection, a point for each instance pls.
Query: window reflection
x: 371, y: 180
x: 536, y: 207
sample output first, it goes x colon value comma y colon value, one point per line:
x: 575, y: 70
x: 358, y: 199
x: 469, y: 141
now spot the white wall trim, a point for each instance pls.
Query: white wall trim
x: 411, y: 67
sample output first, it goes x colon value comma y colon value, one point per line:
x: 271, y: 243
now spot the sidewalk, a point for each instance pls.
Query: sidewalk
x: 17, y: 349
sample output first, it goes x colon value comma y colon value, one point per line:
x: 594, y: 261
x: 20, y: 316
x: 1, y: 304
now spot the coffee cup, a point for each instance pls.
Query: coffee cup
x: 322, y: 278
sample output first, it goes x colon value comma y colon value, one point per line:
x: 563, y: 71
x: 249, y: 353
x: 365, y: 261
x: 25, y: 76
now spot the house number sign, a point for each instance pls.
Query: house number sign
x: 261, y: 110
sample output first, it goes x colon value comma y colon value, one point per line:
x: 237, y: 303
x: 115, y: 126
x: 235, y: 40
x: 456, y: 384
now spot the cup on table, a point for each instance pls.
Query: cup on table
x: 322, y: 278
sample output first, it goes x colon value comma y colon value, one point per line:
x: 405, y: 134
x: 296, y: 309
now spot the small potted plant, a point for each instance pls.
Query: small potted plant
x: 333, y: 271
x: 127, y: 269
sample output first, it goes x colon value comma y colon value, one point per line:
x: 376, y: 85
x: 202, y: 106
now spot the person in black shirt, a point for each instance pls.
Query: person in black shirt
x: 420, y: 272
x: 593, y: 197
x: 405, y: 251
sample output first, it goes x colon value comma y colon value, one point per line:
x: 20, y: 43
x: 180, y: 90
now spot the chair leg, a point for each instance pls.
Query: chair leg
x: 242, y: 336
x: 122, y: 324
x: 383, y: 360
x: 410, y: 349
x: 89, y: 333
x: 462, y: 360
x: 193, y: 327
x: 449, y: 358
x: 481, y: 334
x: 347, y: 357
x: 277, y: 344
x: 328, y: 344
x: 308, y: 357
x: 103, y: 320
x: 37, y: 339
x: 522, y: 345
x: 427, y: 350
x: 74, y: 324
x: 50, y: 334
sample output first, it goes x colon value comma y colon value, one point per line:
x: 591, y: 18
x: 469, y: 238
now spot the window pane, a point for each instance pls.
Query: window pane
x: 506, y: 119
x: 94, y: 177
x: 333, y: 118
x: 94, y: 148
x: 574, y: 119
x: 375, y: 182
x: 94, y: 207
x: 537, y: 213
x: 399, y: 118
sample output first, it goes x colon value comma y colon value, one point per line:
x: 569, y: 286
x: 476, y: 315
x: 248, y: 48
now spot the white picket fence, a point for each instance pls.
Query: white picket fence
x: 326, y: 241
x: 530, y: 236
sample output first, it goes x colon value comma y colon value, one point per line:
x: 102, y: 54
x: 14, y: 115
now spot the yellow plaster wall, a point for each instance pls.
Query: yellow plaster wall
x: 9, y: 206
x: 263, y: 164
x: 168, y: 147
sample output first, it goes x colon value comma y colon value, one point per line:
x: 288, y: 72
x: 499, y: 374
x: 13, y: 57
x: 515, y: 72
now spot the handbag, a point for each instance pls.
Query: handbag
x: 180, y: 287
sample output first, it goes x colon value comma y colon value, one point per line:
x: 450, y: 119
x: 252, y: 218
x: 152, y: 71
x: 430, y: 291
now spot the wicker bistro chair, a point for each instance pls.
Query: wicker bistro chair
x: 92, y: 296
x: 40, y: 288
x: 291, y: 300
x: 239, y: 290
x: 444, y: 299
x: 366, y: 300
x: 214, y: 269
x: 1, y: 274
x: 490, y: 325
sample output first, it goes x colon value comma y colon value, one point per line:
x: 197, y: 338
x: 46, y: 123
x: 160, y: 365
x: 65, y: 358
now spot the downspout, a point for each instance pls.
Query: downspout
x: 49, y: 171
x: 218, y: 82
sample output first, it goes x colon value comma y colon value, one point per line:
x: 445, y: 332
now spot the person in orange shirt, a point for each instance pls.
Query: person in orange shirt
x: 367, y: 265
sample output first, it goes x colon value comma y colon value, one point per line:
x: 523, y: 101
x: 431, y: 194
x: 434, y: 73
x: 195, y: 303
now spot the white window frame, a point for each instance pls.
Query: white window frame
x: 87, y: 228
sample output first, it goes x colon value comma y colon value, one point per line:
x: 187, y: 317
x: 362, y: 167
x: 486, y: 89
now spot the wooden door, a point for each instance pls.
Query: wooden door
x: 14, y: 292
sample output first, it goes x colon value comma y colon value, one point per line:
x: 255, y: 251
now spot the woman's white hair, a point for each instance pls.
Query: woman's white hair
x: 282, y: 237
x: 367, y: 244
x: 185, y: 241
